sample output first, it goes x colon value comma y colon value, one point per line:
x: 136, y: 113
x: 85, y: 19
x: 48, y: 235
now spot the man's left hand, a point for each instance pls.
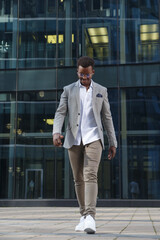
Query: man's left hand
x: 111, y: 152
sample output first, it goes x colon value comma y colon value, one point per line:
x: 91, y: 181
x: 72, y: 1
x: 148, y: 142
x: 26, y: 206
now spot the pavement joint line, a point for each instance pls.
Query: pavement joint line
x: 74, y: 235
x: 112, y: 219
x: 56, y: 226
x: 128, y: 223
x: 152, y: 223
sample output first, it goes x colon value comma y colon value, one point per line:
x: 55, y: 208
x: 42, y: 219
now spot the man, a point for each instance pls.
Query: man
x: 86, y: 104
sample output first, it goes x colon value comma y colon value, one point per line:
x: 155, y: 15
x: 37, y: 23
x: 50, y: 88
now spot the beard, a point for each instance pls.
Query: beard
x: 85, y: 82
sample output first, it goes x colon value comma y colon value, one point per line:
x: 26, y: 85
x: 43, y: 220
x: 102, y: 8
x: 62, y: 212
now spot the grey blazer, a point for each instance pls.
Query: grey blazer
x: 70, y: 106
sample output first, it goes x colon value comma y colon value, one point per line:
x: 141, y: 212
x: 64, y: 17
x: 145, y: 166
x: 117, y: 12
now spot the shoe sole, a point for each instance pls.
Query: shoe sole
x: 89, y: 231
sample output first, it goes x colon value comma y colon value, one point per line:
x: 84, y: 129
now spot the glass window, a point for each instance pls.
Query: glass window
x: 106, y: 76
x: 37, y: 96
x: 140, y: 113
x: 37, y: 8
x: 109, y: 172
x: 37, y: 80
x: 6, y: 171
x: 148, y: 42
x: 8, y: 34
x: 7, y: 118
x: 35, y: 156
x: 38, y: 57
x: 38, y: 40
x: 35, y: 122
x: 146, y: 9
x: 67, y: 8
x: 108, y: 178
x: 96, y: 4
x: 67, y: 42
x: 139, y: 75
x: 98, y: 39
x: 144, y: 103
x: 102, y: 8
x: 139, y: 31
x: 8, y: 81
x: 140, y: 43
x: 7, y: 144
x: 66, y: 76
x: 35, y: 172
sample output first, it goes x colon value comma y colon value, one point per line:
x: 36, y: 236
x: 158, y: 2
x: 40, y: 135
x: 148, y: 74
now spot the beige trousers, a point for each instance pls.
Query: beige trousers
x: 84, y: 162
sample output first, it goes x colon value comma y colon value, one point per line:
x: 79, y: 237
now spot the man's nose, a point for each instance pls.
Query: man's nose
x: 85, y: 76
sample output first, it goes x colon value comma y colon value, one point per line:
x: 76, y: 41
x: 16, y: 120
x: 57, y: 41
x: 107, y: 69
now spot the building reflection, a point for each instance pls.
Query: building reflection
x: 40, y: 42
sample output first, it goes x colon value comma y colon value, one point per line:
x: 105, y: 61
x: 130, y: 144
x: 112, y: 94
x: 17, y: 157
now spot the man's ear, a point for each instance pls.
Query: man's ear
x: 93, y: 71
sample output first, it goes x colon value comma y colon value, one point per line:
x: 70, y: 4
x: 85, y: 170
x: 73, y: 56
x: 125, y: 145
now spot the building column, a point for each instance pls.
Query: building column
x: 15, y: 35
x: 66, y: 172
x: 11, y: 170
x: 68, y: 33
x: 124, y: 145
x: 66, y: 175
x: 122, y: 32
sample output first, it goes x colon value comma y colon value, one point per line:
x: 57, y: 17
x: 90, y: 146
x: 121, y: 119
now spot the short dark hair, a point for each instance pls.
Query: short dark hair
x: 85, y: 62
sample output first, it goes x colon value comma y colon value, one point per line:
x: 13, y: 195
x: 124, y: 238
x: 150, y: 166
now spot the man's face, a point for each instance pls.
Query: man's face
x: 85, y: 75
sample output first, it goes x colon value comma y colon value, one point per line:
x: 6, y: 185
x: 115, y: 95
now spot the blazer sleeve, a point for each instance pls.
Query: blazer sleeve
x: 108, y: 122
x: 61, y: 113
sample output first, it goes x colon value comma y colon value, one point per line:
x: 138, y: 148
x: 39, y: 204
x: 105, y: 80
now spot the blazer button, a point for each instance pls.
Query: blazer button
x: 77, y: 125
x: 78, y: 113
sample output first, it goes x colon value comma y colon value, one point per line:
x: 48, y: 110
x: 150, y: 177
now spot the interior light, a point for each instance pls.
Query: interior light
x: 19, y: 131
x: 98, y: 35
x: 8, y: 126
x: 52, y: 39
x: 49, y: 121
x: 154, y: 36
x: 102, y: 31
x: 99, y: 39
x: 97, y: 31
x: 149, y: 32
x: 18, y: 169
x: 41, y: 94
x: 149, y: 28
x: 149, y: 36
x: 72, y: 38
x: 34, y: 37
x: 10, y: 169
x: 60, y: 38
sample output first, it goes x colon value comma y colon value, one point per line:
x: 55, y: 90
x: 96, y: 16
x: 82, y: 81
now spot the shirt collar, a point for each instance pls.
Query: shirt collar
x: 80, y: 85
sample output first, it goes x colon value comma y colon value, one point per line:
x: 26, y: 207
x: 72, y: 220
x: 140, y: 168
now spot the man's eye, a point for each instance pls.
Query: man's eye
x: 82, y: 75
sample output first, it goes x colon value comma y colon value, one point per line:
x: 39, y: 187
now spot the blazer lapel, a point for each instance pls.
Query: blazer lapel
x: 77, y: 95
x: 94, y: 98
x: 95, y: 92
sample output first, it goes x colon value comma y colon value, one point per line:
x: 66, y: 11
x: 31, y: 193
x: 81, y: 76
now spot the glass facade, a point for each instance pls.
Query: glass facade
x: 40, y: 42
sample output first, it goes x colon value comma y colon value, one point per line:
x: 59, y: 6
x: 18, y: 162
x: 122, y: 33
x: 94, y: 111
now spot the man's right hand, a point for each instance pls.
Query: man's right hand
x: 57, y: 139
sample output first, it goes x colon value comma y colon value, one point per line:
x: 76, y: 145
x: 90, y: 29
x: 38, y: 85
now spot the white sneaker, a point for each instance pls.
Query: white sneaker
x: 89, y: 225
x: 80, y: 226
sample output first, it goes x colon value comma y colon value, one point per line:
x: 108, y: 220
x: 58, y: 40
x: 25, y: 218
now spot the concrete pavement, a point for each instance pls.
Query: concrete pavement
x: 59, y: 222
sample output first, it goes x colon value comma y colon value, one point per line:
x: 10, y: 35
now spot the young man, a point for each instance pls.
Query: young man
x: 86, y: 104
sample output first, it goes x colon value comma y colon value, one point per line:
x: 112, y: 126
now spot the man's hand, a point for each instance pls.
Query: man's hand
x: 57, y: 139
x: 111, y: 153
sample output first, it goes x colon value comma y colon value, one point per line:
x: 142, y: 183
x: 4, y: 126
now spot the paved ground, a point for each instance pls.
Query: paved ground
x: 59, y: 223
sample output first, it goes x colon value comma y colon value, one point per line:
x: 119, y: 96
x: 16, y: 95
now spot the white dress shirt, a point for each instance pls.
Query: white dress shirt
x: 88, y: 131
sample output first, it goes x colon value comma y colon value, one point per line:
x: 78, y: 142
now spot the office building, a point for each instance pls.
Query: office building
x: 40, y: 42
